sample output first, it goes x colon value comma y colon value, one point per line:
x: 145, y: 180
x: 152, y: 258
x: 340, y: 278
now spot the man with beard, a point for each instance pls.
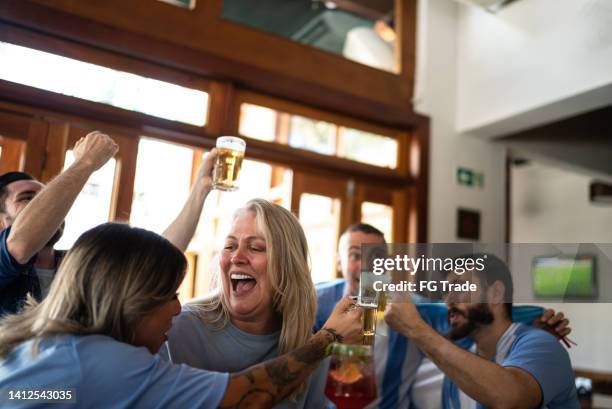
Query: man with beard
x: 509, y: 365
x: 32, y: 218
x: 405, y: 377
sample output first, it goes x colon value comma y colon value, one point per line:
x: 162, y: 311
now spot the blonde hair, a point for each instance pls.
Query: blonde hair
x: 294, y: 296
x: 112, y: 277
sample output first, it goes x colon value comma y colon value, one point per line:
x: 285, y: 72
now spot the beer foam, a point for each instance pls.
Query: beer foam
x: 231, y: 142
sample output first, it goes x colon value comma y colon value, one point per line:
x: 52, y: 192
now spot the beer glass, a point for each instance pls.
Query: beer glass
x: 373, y: 304
x: 368, y: 321
x: 230, y: 153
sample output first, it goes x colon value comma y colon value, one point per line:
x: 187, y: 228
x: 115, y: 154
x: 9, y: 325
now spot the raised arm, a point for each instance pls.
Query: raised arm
x: 182, y: 229
x: 41, y: 218
x: 264, y: 385
x: 490, y: 384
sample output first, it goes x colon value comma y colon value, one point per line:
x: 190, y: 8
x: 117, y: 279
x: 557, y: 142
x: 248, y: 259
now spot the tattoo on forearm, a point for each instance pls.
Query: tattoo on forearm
x: 337, y: 337
x: 310, y: 356
x: 280, y: 374
x: 252, y: 397
x: 270, y: 382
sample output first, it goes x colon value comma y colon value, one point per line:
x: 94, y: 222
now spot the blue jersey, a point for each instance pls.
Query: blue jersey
x: 535, y: 352
x: 101, y: 372
x: 18, y: 280
x: 396, y: 358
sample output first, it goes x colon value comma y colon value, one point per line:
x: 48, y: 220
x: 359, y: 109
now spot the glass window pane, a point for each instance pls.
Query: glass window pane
x: 379, y: 216
x: 92, y: 206
x: 320, y: 218
x: 323, y: 137
x: 367, y: 147
x: 163, y: 172
x: 257, y: 122
x: 318, y: 136
x: 100, y: 84
x: 154, y: 186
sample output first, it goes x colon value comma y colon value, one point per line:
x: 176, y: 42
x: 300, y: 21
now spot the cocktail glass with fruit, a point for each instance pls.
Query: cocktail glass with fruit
x: 351, y: 382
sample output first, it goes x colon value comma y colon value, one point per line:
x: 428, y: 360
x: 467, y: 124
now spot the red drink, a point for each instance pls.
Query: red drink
x: 351, y: 396
x: 351, y: 382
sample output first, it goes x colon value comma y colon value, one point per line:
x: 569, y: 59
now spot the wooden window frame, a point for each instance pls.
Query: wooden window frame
x: 401, y: 175
x: 101, y: 57
x: 201, y: 42
x: 409, y: 180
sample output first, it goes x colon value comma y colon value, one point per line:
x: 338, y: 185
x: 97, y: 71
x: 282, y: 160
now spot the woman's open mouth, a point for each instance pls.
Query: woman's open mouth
x: 242, y: 283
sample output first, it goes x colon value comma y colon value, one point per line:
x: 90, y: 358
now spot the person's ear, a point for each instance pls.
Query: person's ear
x: 496, y: 293
x: 4, y: 223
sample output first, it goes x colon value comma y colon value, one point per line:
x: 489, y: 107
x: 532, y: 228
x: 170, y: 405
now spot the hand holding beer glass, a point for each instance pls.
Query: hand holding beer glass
x: 373, y: 307
x: 230, y: 153
x: 371, y: 301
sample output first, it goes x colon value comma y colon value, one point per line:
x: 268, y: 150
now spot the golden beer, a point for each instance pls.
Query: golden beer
x: 382, y: 306
x: 230, y: 153
x: 368, y: 328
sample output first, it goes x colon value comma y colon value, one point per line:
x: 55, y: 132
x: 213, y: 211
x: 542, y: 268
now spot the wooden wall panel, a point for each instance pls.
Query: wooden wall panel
x: 57, y: 143
x: 125, y: 173
x: 36, y: 148
x: 14, y: 125
x: 11, y: 158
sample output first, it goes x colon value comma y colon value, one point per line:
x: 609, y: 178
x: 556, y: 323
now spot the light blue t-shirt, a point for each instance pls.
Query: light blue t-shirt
x: 104, y: 373
x: 192, y: 342
x: 536, y: 352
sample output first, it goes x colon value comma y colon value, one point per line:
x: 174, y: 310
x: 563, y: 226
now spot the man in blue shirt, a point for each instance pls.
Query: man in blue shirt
x: 31, y: 217
x: 510, y: 365
x: 397, y: 359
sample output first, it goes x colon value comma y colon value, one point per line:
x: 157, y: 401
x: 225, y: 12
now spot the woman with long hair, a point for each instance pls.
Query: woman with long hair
x: 265, y: 305
x: 92, y: 340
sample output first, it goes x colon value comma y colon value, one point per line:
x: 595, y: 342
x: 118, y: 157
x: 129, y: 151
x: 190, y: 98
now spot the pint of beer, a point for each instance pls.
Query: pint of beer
x: 368, y: 320
x: 230, y: 152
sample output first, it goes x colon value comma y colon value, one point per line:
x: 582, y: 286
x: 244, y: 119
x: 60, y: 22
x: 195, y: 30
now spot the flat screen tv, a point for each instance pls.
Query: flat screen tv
x: 564, y: 276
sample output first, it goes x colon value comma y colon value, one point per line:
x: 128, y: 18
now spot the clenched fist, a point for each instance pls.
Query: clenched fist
x: 204, y: 175
x: 402, y: 315
x: 94, y: 150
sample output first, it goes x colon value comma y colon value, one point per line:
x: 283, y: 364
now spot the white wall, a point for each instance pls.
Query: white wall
x: 533, y: 62
x: 536, y: 61
x: 436, y: 96
x: 488, y: 74
x: 551, y: 205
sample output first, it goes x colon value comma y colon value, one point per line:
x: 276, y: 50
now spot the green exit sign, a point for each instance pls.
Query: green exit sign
x: 469, y: 177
